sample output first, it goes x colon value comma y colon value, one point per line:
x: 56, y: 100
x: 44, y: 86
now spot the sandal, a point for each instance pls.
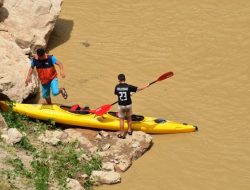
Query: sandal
x: 130, y: 132
x: 64, y: 93
x: 121, y: 136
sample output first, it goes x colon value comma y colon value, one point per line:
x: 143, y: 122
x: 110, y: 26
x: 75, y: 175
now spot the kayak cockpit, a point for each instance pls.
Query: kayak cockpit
x: 86, y: 110
x: 133, y: 117
x: 76, y: 109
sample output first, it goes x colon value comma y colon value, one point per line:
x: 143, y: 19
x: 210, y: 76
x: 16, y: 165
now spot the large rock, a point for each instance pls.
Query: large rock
x: 73, y: 135
x: 26, y: 24
x: 14, y: 66
x: 122, y: 152
x: 31, y: 22
x: 51, y: 137
x: 106, y: 177
x: 13, y: 136
x: 73, y: 184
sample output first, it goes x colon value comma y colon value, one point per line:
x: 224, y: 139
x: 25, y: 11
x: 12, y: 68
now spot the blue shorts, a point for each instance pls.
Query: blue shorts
x: 54, y: 87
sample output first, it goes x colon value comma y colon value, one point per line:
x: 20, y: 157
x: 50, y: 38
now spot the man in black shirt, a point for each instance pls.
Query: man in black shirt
x: 124, y: 91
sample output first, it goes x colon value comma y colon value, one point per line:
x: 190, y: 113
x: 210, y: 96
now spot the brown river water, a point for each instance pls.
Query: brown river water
x: 206, y: 44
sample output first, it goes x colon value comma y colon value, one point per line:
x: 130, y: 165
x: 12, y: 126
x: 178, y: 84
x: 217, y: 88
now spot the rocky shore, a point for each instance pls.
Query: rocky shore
x: 89, y: 157
x: 41, y: 155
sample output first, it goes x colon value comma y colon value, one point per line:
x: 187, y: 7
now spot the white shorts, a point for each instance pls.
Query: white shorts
x: 124, y: 111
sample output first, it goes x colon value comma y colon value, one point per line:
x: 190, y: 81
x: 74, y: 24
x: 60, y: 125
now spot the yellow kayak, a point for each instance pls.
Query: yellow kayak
x: 109, y: 121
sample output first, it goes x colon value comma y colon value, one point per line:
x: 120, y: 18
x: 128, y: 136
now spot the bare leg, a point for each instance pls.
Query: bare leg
x: 48, y: 100
x: 122, y: 125
x: 129, y: 125
x: 122, y: 132
x: 129, y: 113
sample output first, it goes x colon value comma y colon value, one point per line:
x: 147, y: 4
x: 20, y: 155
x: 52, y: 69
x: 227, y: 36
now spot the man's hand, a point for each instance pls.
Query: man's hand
x: 143, y: 87
x: 62, y: 74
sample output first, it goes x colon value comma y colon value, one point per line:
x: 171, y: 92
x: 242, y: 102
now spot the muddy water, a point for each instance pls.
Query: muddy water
x: 206, y: 44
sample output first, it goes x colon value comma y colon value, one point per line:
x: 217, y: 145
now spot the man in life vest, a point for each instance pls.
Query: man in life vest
x: 45, y: 67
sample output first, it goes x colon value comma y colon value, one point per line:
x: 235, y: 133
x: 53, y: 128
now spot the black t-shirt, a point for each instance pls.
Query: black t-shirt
x: 123, y: 91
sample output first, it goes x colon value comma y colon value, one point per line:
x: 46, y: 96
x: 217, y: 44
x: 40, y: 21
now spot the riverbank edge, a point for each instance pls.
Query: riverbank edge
x: 39, y: 155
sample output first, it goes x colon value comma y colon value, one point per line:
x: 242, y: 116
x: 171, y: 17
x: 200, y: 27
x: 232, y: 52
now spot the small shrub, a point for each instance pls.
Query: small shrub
x: 15, y: 120
x: 93, y: 164
x: 41, y: 174
x: 25, y: 144
x: 88, y: 184
x: 19, y: 167
x: 66, y: 162
x: 51, y: 124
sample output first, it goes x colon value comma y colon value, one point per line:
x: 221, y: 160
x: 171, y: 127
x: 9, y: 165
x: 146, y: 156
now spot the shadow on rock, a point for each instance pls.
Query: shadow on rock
x: 4, y: 13
x: 33, y: 98
x: 61, y: 33
x: 4, y: 97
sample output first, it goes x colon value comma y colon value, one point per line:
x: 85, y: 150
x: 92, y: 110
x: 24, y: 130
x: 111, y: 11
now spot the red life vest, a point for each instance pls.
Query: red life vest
x: 45, y: 69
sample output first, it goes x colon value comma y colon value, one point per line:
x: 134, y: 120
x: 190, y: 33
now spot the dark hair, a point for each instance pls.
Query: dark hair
x: 40, y: 52
x: 121, y: 77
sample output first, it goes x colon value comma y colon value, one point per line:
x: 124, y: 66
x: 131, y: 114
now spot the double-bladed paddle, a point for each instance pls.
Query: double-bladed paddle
x: 105, y: 108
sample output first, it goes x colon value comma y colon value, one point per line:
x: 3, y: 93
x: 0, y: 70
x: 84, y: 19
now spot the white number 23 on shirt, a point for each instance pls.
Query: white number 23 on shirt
x: 123, y: 96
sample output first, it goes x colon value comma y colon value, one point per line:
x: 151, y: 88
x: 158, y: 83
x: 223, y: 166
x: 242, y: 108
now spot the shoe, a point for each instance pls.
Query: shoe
x: 121, y: 136
x: 64, y: 93
x: 130, y: 132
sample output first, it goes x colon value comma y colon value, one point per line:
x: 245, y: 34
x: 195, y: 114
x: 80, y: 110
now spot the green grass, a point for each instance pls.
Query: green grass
x: 15, y: 120
x: 92, y: 164
x: 41, y: 172
x: 25, y: 124
x: 49, y: 164
x: 19, y: 168
x: 65, y: 161
x: 25, y: 144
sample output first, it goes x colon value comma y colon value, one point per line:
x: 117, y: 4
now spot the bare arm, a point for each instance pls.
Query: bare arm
x: 28, y: 78
x: 142, y: 87
x: 60, y: 65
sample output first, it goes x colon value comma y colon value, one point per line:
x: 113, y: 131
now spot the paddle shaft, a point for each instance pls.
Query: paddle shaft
x: 105, y: 108
x: 152, y: 82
